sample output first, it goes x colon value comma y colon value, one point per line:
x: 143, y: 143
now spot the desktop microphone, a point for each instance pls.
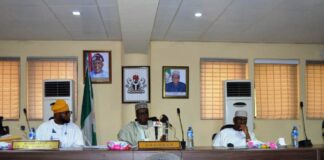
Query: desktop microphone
x: 307, y: 142
x: 230, y: 145
x: 25, y: 113
x: 165, y: 119
x: 153, y: 119
x: 157, y: 125
x: 183, y: 142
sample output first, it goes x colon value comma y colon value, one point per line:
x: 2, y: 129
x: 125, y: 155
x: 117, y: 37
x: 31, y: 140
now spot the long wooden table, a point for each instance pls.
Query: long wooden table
x: 198, y: 153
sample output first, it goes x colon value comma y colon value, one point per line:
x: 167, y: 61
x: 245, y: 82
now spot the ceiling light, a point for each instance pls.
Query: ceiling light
x: 198, y: 14
x: 76, y: 13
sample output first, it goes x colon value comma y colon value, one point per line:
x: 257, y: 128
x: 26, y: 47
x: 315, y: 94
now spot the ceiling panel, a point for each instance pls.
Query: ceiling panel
x: 297, y: 22
x: 136, y: 22
x: 238, y: 18
x: 88, y: 23
x: 107, y: 3
x: 187, y: 27
x: 165, y: 15
x: 29, y: 22
x: 71, y: 2
x: 20, y: 3
x: 110, y: 15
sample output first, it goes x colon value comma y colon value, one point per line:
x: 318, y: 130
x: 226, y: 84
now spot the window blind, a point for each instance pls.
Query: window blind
x: 212, y: 74
x: 315, y: 89
x: 276, y: 90
x: 9, y: 88
x: 40, y: 69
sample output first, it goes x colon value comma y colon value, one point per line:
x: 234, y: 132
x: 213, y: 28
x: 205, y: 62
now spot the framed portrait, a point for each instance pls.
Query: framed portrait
x: 99, y: 65
x: 135, y: 84
x: 175, y: 82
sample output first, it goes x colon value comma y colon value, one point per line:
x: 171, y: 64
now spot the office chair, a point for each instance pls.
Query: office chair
x: 323, y: 130
x: 223, y: 127
x: 3, y: 129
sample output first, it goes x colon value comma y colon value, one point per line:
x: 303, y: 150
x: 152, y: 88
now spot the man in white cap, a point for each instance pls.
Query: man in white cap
x: 142, y: 129
x: 238, y: 136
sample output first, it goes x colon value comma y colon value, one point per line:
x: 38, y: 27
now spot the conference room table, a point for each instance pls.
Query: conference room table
x: 198, y: 153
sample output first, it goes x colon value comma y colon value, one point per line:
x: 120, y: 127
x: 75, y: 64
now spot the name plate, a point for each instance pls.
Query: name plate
x: 145, y: 145
x: 36, y: 145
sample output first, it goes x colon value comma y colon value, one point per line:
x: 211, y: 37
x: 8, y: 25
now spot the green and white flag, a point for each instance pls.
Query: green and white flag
x: 88, y: 124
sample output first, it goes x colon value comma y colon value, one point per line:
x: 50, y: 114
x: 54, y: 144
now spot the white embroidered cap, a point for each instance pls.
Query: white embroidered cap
x: 240, y: 113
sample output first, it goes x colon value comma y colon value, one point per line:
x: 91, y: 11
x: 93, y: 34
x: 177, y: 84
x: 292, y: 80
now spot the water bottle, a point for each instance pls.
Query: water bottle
x: 294, y: 136
x: 190, y: 138
x: 32, y: 134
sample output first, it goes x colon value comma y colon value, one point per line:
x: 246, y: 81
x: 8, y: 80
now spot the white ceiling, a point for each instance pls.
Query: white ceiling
x: 137, y: 22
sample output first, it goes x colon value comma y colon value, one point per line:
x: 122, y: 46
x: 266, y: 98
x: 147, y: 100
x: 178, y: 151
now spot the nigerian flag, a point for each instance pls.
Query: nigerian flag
x: 88, y: 124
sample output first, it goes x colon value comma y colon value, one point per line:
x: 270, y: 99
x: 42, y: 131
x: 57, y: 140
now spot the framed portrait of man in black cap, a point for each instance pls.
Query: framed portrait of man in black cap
x: 99, y: 65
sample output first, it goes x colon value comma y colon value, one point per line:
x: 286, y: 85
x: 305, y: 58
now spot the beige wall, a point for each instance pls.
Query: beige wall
x: 106, y: 96
x: 188, y: 54
x: 111, y: 114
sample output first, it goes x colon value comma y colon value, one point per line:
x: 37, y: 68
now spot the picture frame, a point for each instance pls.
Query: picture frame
x: 175, y: 82
x: 99, y: 65
x: 136, y: 84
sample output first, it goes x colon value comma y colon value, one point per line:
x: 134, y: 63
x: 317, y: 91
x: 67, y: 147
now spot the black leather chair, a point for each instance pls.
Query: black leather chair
x: 323, y: 130
x: 223, y: 127
x: 3, y: 129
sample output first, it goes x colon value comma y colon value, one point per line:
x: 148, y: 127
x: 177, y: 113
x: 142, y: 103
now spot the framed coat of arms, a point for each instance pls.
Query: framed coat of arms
x: 135, y: 84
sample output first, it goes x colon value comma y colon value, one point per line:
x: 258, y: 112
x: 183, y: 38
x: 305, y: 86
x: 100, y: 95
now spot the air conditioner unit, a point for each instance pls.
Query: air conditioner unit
x: 238, y: 96
x: 57, y: 89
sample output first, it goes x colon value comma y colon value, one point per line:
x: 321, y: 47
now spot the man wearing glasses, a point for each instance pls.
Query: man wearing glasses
x: 60, y: 128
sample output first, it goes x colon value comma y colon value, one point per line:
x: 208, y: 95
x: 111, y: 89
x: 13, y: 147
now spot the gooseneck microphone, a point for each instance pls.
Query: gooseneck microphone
x: 307, y: 142
x: 25, y: 113
x: 183, y: 142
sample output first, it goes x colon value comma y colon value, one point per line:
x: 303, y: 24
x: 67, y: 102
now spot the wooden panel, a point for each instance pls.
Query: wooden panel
x: 230, y: 154
x: 67, y: 155
x: 201, y: 153
x: 154, y: 155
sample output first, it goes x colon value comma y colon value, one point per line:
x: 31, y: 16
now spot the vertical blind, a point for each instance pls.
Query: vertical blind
x: 9, y: 88
x: 276, y: 90
x: 47, y: 69
x: 315, y: 89
x: 212, y: 74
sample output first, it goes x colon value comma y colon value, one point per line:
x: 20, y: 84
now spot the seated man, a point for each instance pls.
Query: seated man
x: 60, y: 128
x: 141, y: 129
x: 238, y: 136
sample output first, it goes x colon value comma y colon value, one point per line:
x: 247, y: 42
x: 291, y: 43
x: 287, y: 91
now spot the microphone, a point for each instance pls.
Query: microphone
x: 230, y: 145
x: 183, y: 142
x: 153, y: 119
x: 165, y: 119
x: 25, y: 113
x: 307, y: 142
x: 156, y: 125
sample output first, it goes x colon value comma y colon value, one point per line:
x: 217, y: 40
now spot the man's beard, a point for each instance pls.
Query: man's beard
x: 65, y: 120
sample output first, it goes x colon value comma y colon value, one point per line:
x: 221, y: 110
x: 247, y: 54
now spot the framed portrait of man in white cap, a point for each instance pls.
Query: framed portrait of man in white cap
x: 99, y: 65
x: 175, y: 82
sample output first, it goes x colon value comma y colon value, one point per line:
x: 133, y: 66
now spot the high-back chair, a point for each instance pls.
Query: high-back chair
x: 223, y: 127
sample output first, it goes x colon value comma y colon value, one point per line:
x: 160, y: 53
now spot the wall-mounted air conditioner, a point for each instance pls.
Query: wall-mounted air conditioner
x: 238, y: 96
x: 57, y: 89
